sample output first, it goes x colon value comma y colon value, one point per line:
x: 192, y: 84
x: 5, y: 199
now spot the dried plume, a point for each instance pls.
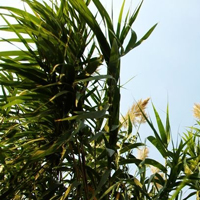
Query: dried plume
x: 143, y: 153
x: 155, y: 170
x: 136, y: 112
x: 196, y: 111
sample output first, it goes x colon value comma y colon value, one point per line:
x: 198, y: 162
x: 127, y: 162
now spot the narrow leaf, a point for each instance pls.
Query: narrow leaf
x: 120, y: 19
x: 87, y: 115
x: 94, y: 78
x: 167, y: 126
x: 160, y: 127
x: 145, y: 36
x: 103, y: 180
x: 82, y: 8
x: 131, y: 43
x: 155, y: 164
x: 159, y: 146
x: 130, y: 147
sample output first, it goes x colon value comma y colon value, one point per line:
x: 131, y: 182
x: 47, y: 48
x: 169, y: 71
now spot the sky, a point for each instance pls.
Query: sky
x: 166, y: 67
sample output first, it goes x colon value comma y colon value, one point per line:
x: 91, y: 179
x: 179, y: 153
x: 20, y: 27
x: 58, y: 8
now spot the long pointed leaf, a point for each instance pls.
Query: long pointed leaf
x: 145, y: 36
x: 120, y: 19
x: 81, y: 7
x: 160, y: 127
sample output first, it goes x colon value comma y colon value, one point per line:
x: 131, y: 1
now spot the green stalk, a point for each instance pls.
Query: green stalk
x: 114, y: 94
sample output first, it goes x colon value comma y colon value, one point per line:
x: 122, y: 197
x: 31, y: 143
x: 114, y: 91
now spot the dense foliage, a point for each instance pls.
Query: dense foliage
x: 61, y: 133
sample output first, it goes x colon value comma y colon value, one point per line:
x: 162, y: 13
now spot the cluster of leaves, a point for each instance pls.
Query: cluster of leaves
x: 60, y: 134
x: 181, y: 164
x: 59, y: 116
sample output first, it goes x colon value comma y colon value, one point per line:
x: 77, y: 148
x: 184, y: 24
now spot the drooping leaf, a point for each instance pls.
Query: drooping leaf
x: 155, y: 164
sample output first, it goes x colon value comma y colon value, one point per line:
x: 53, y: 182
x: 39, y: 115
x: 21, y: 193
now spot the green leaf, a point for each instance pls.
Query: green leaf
x: 14, y: 53
x: 129, y: 161
x: 120, y: 19
x: 93, y: 64
x: 66, y: 193
x: 96, y: 136
x: 168, y: 128
x: 137, y: 182
x: 145, y: 36
x: 129, y: 24
x: 43, y: 152
x: 114, y: 61
x: 130, y: 126
x: 131, y: 43
x: 155, y: 163
x: 87, y: 115
x: 22, y: 13
x: 159, y: 146
x: 130, y: 147
x: 105, y: 16
x: 110, y: 152
x: 103, y: 180
x: 81, y: 7
x: 111, y: 188
x: 20, y: 37
x: 59, y: 94
x: 12, y: 103
x: 160, y: 127
x: 16, y: 40
x: 94, y: 78
x: 183, y: 183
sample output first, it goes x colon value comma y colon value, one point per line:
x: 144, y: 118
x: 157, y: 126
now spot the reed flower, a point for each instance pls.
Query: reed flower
x: 137, y: 112
x: 154, y: 169
x: 142, y: 153
x: 196, y: 111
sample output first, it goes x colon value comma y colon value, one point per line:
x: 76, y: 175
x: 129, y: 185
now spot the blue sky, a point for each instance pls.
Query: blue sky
x: 166, y: 65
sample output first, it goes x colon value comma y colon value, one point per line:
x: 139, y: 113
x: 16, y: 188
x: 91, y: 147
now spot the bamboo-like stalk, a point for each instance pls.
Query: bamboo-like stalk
x: 114, y: 100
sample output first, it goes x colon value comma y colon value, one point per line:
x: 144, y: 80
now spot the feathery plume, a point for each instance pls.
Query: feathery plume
x: 154, y: 169
x: 136, y: 112
x: 196, y: 111
x: 143, y: 153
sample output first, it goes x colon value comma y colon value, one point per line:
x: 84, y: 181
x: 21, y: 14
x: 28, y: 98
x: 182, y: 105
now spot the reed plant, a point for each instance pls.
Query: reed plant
x: 61, y: 134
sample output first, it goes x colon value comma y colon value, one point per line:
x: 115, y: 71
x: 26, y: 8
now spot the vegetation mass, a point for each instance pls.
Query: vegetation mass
x: 61, y: 133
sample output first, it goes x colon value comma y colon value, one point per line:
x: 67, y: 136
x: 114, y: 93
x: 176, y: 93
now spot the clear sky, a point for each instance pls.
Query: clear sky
x: 166, y: 67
